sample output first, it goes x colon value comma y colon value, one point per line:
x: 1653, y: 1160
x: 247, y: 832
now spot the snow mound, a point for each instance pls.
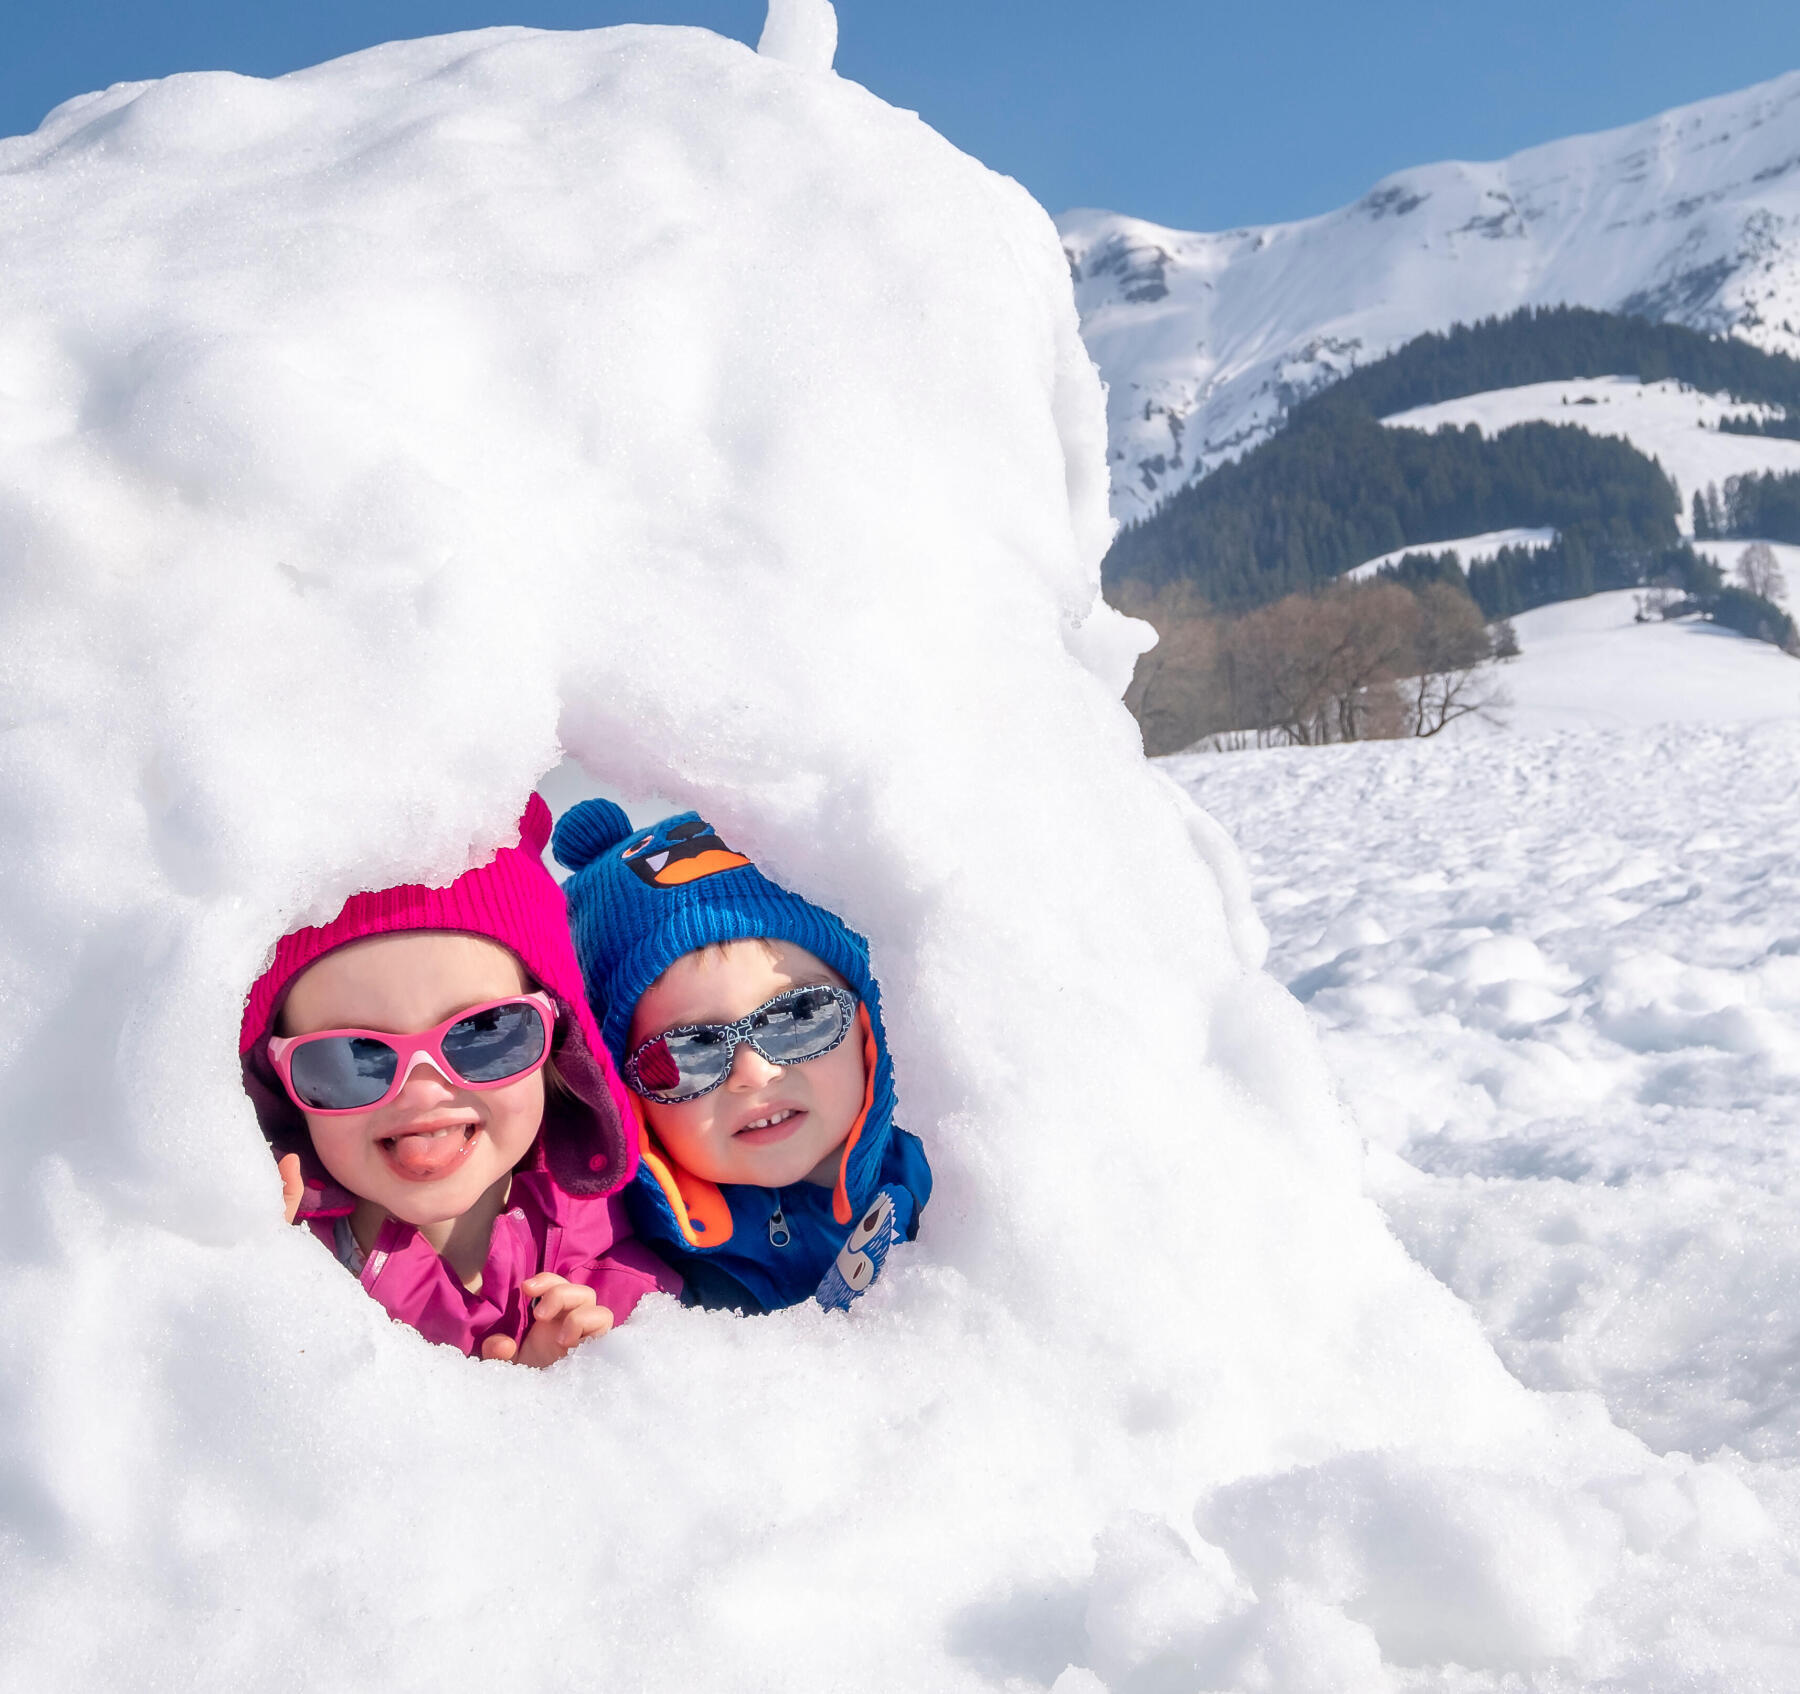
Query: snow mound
x: 374, y: 437
x: 800, y: 32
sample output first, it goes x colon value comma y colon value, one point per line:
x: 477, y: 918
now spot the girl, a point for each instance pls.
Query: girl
x: 430, y: 1079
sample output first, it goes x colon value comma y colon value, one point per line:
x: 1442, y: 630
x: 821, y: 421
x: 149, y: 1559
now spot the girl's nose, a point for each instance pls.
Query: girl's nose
x: 424, y: 1080
x: 749, y: 1069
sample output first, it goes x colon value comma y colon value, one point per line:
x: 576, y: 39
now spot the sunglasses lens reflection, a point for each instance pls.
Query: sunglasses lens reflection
x: 496, y: 1043
x: 340, y: 1073
x: 796, y: 1026
x: 800, y: 1026
x: 699, y: 1059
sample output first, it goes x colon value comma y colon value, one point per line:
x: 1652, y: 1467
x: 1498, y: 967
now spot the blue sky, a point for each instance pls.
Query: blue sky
x: 1192, y: 113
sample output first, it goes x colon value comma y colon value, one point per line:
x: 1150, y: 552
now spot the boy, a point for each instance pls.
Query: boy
x: 748, y: 1026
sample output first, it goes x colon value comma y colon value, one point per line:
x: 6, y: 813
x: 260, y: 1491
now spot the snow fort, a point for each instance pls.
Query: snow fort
x: 375, y: 439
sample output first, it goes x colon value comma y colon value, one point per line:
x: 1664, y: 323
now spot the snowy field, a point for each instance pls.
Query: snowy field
x: 1590, y: 664
x: 1676, y: 425
x: 1557, y: 976
x: 377, y: 438
x: 1556, y: 971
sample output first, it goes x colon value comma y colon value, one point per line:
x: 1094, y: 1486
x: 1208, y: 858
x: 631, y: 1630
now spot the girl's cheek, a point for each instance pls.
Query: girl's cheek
x: 335, y: 1146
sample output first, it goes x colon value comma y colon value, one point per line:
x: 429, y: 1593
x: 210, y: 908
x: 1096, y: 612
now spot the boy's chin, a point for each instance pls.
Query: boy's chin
x: 781, y: 1167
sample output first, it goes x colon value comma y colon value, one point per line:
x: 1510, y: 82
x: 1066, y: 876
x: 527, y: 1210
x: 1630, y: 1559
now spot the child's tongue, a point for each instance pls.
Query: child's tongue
x: 424, y: 1157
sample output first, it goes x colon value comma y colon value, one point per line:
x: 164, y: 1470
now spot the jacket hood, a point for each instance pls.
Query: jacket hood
x: 642, y: 897
x: 589, y: 1140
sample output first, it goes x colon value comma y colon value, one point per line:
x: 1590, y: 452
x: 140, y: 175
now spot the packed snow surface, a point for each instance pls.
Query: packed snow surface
x: 1667, y: 421
x: 1557, y: 975
x: 1205, y: 340
x: 370, y: 440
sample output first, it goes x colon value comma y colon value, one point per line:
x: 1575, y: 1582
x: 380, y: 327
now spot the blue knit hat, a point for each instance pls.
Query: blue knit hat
x: 641, y: 898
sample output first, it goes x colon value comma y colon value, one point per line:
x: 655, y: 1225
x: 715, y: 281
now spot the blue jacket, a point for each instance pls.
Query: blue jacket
x: 760, y: 1249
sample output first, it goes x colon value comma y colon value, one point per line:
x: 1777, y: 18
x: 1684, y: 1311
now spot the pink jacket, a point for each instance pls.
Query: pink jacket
x: 585, y: 1238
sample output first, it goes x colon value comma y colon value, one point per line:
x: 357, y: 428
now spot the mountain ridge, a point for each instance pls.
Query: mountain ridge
x: 1207, y: 340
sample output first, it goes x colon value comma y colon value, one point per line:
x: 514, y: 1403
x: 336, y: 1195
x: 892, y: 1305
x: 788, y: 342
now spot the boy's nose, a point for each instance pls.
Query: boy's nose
x: 749, y: 1069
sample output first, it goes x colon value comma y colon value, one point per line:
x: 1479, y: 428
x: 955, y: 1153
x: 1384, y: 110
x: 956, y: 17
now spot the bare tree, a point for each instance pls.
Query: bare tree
x: 1355, y: 662
x: 1451, y: 658
x: 1177, y: 691
x: 1760, y: 571
x: 1316, y: 668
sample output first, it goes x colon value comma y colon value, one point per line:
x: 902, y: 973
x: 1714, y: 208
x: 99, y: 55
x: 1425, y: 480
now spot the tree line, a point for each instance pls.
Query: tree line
x: 1337, y: 488
x: 1784, y: 425
x: 1334, y: 487
x: 1562, y: 344
x: 1355, y: 661
x: 1762, y: 505
x: 1263, y: 642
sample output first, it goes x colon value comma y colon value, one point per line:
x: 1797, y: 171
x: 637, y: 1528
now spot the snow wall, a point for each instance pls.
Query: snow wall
x: 372, y: 439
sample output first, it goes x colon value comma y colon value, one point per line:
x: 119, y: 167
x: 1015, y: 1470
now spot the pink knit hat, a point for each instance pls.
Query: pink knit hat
x: 588, y: 1142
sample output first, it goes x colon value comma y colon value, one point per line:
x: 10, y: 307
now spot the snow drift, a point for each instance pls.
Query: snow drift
x: 374, y: 437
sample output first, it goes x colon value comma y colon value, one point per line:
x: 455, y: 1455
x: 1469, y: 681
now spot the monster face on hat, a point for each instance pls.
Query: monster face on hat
x: 641, y: 898
x: 679, y: 851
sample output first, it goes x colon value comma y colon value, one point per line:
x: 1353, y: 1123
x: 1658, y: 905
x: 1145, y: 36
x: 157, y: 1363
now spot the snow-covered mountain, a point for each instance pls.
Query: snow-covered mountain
x: 1205, y: 340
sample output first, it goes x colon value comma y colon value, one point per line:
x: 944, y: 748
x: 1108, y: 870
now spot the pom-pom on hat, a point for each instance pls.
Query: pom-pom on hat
x: 641, y: 898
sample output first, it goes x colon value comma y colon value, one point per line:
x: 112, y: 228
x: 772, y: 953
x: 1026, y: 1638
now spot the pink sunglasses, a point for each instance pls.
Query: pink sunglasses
x: 355, y: 1070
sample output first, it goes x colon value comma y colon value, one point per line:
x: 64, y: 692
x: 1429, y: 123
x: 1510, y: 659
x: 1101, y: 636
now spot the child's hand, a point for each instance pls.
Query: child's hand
x: 564, y: 1314
x: 291, y: 1184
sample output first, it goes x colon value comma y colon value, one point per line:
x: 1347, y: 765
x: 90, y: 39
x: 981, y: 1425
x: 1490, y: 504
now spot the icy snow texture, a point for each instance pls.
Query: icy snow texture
x: 1205, y: 340
x: 800, y: 32
x: 369, y: 439
x: 1559, y: 975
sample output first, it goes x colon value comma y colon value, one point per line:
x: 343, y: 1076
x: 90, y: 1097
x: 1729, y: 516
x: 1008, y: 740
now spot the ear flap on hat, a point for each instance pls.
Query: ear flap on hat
x: 534, y: 825
x: 586, y: 831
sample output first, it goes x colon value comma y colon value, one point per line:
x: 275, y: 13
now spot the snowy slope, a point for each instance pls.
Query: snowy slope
x: 1667, y: 421
x: 1469, y: 549
x: 1557, y: 974
x: 1725, y: 554
x: 1205, y: 339
x: 373, y: 439
x: 1589, y: 664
